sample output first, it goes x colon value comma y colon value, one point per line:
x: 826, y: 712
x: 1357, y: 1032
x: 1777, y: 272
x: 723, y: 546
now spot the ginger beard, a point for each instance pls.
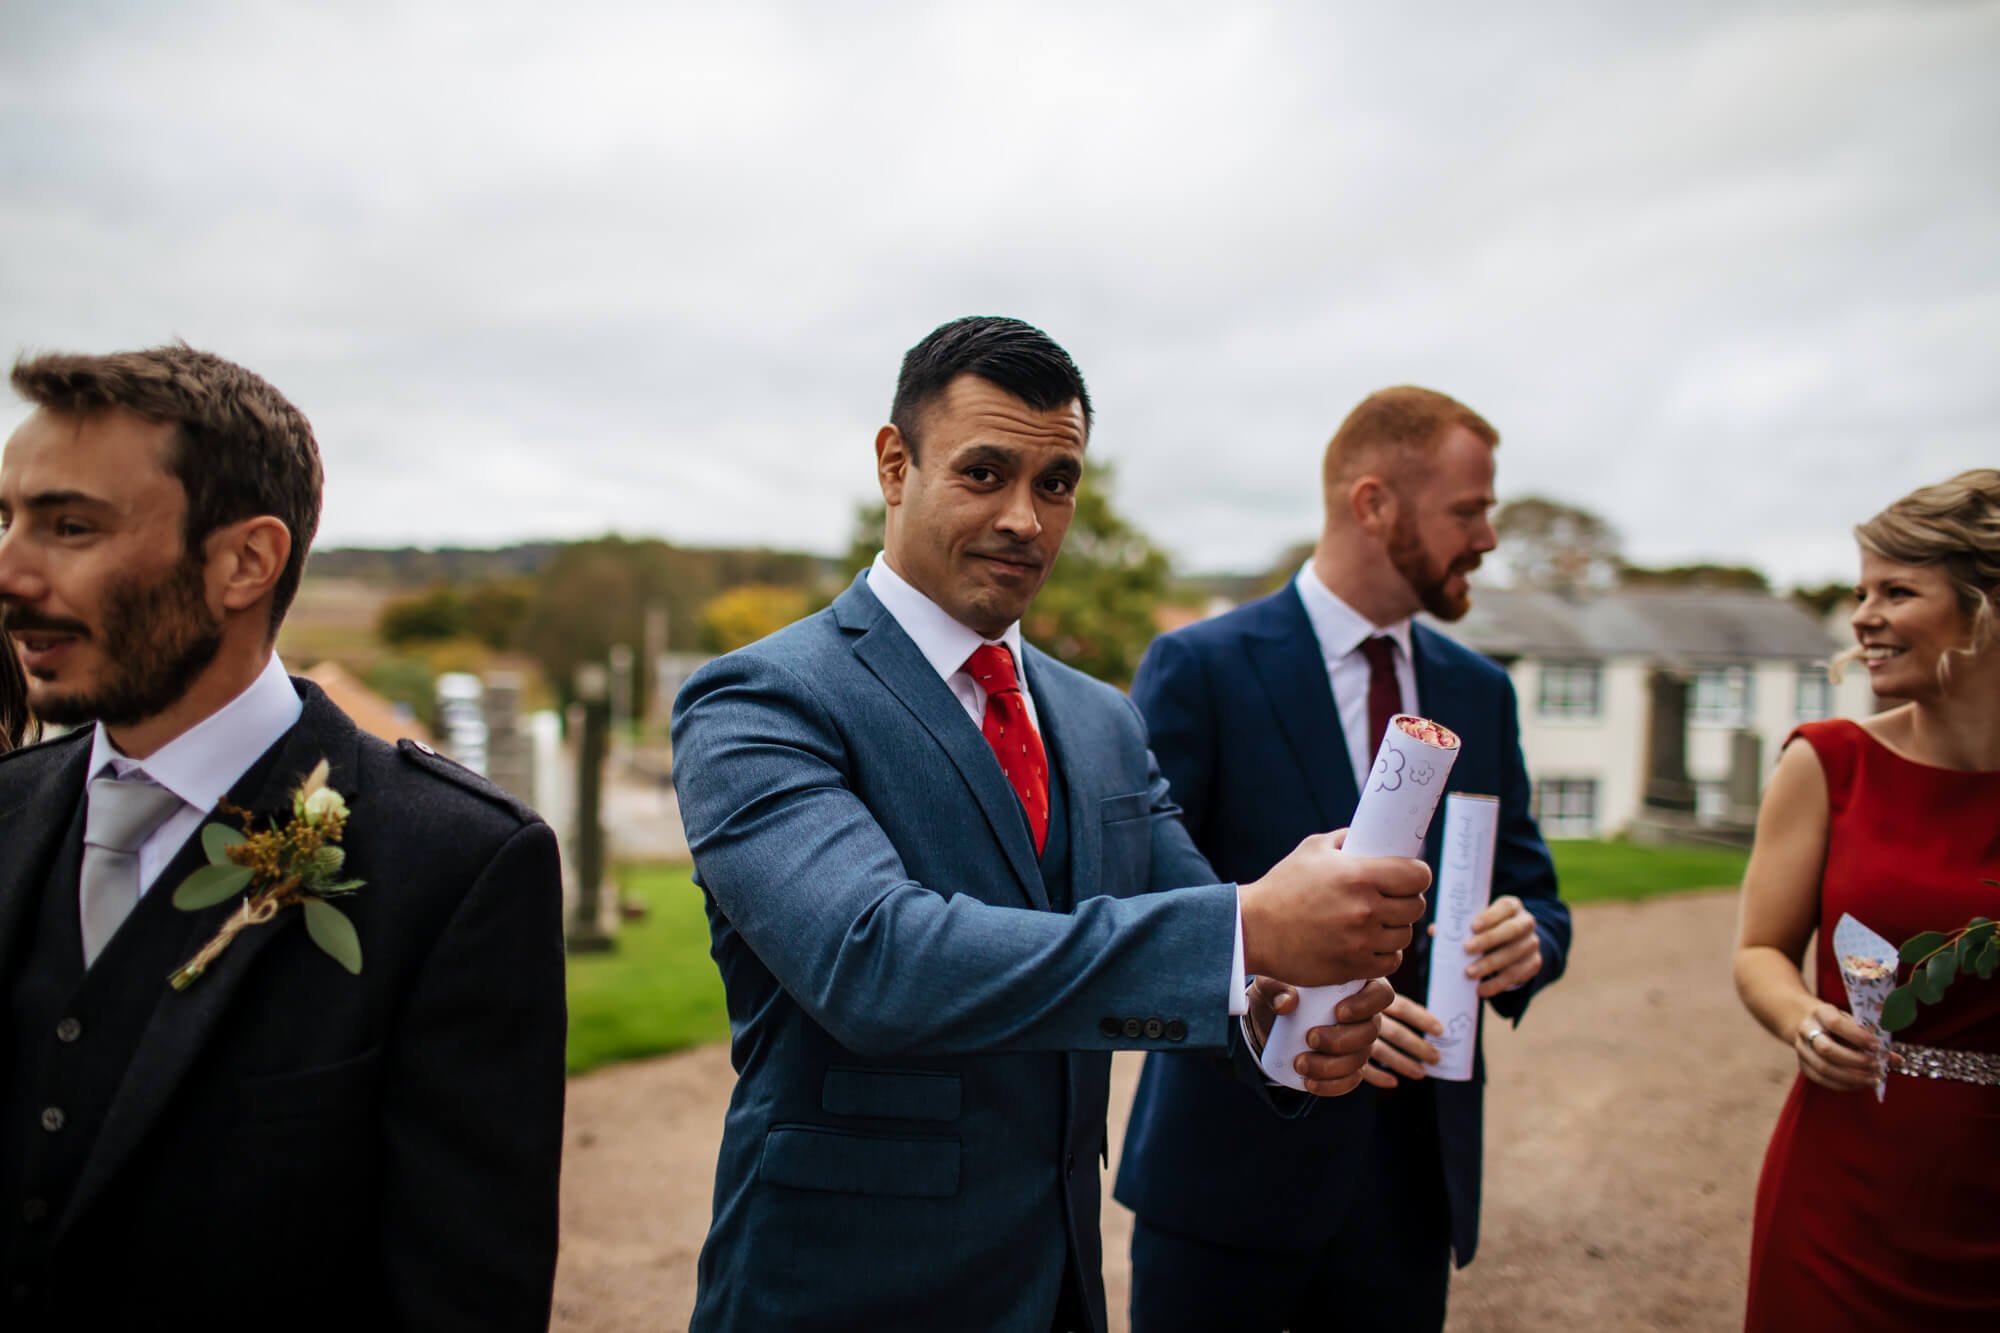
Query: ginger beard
x: 156, y: 639
x: 1430, y: 578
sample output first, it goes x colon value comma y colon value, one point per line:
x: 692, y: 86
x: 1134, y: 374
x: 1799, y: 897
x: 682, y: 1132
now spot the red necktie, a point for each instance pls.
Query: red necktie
x: 1013, y: 737
x: 1385, y: 696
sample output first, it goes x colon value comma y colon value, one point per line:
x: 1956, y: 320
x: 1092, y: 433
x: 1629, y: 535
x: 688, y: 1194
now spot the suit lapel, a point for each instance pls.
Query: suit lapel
x: 1440, y: 698
x: 1064, y: 717
x: 1284, y: 652
x: 183, y: 1021
x: 31, y: 835
x: 890, y: 654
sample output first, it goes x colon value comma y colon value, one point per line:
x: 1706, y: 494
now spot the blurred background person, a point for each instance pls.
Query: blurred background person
x: 1883, y: 1214
x: 16, y: 727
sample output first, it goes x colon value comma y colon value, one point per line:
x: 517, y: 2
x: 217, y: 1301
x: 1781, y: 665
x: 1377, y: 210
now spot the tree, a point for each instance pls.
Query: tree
x: 1729, y: 578
x: 595, y: 594
x: 426, y: 617
x: 1823, y: 600
x: 1095, y: 613
x: 748, y: 612
x: 1549, y: 544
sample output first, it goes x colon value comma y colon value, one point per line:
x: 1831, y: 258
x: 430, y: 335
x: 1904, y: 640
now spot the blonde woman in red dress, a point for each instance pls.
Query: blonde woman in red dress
x: 1886, y: 1214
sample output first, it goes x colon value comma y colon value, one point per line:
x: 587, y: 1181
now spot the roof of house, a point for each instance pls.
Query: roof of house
x: 370, y: 711
x: 1681, y: 626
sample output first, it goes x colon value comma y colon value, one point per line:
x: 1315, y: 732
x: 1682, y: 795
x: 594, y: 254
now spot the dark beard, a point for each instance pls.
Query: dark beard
x: 1426, y: 580
x: 157, y: 639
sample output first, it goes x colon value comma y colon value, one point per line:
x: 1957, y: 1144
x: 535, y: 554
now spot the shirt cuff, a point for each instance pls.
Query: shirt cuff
x: 1239, y: 1001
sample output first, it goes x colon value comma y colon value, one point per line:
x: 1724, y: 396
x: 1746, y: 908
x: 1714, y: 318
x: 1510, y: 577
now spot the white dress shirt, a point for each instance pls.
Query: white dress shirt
x: 946, y: 644
x: 1341, y: 630
x: 202, y: 763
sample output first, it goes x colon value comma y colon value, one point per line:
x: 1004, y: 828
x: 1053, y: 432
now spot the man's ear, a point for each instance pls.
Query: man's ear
x: 1373, y: 505
x: 893, y: 462
x: 246, y: 559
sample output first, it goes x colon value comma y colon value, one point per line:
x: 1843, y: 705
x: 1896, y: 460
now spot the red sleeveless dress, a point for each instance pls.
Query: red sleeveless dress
x: 1887, y: 1215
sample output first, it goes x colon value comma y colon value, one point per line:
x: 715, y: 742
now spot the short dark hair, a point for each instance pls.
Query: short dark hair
x: 1007, y: 353
x: 240, y: 450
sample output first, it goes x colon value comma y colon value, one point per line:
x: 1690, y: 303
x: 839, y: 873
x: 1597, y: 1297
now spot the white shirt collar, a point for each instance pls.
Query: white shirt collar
x: 202, y: 763
x: 1339, y: 628
x: 944, y: 642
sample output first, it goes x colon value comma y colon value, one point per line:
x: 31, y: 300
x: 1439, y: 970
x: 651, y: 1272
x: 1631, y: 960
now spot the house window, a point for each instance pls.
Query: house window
x: 1567, y: 807
x: 1571, y: 689
x: 1814, y: 693
x: 1722, y: 696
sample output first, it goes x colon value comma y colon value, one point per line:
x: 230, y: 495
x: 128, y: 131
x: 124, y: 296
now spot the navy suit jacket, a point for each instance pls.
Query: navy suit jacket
x: 1243, y: 720
x: 922, y: 1045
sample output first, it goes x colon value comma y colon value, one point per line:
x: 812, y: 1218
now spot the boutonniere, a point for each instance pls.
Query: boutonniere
x: 298, y: 861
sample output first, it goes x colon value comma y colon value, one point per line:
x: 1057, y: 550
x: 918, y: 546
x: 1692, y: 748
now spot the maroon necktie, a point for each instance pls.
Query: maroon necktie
x: 1013, y: 737
x: 1385, y: 696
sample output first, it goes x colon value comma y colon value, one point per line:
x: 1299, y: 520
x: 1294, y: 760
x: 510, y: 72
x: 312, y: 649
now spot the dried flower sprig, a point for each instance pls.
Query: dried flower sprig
x: 298, y: 861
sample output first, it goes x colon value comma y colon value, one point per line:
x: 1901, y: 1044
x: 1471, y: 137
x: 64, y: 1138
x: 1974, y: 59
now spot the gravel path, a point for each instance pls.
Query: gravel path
x: 1625, y: 1124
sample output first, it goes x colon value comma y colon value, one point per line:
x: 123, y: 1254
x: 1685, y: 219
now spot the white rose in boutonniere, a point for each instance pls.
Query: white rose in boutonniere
x: 297, y: 862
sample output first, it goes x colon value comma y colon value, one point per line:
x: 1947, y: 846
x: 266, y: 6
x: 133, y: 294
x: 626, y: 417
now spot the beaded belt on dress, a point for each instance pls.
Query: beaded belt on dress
x: 1943, y: 1062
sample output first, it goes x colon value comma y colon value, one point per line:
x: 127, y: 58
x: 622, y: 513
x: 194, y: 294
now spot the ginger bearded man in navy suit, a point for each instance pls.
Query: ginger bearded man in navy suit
x: 945, y: 881
x: 1264, y: 720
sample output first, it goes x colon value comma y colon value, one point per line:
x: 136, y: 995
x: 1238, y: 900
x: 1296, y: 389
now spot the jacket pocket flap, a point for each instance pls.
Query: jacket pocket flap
x: 810, y: 1158
x: 890, y: 1094
x: 305, y: 1092
x: 1129, y: 805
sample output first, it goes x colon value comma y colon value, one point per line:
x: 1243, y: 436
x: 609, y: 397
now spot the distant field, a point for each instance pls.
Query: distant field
x: 334, y: 618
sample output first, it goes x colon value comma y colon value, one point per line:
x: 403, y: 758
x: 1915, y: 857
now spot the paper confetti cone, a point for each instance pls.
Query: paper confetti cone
x: 1394, y: 813
x: 1868, y: 968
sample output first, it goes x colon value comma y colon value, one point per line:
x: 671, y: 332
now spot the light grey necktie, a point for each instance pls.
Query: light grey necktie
x: 123, y: 814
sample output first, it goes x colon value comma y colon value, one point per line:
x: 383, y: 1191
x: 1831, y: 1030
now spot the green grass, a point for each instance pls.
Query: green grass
x: 1589, y: 871
x: 658, y: 990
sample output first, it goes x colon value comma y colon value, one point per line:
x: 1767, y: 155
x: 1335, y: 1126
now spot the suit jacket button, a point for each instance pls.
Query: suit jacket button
x: 1110, y: 1026
x: 1176, y: 1030
x: 69, y: 1030
x: 1155, y: 1029
x: 1133, y: 1027
x: 52, y: 1118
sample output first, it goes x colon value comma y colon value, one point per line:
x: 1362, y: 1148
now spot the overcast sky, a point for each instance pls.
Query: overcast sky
x: 1728, y: 274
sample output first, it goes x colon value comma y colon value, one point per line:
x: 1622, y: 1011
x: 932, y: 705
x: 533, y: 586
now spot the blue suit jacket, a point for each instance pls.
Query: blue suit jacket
x: 1244, y: 722
x: 922, y: 1047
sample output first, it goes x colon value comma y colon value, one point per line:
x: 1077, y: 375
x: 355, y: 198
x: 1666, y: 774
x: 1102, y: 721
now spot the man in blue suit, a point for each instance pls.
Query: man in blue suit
x: 931, y: 856
x: 1265, y: 720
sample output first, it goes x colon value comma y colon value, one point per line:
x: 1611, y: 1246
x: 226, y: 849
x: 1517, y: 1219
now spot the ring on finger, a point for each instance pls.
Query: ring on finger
x: 1814, y: 1036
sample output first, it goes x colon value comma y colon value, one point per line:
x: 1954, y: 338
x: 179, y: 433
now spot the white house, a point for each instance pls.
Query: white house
x: 1584, y: 664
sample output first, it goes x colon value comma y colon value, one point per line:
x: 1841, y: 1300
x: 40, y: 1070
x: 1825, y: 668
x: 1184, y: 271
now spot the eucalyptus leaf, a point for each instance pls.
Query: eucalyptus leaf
x: 1926, y: 988
x: 211, y: 885
x: 334, y: 933
x: 216, y: 840
x: 1899, y: 1010
x: 1977, y: 932
x: 1917, y: 947
x: 339, y: 886
x: 1943, y: 968
x: 1989, y: 958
